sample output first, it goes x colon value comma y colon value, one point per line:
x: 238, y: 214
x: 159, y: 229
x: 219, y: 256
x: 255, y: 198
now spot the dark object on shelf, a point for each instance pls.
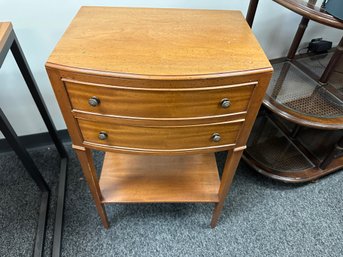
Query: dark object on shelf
x: 334, y: 7
x: 299, y: 107
x: 319, y: 46
x: 9, y: 41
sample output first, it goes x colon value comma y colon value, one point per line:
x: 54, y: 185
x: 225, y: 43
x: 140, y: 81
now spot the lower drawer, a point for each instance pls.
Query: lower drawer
x: 160, y: 138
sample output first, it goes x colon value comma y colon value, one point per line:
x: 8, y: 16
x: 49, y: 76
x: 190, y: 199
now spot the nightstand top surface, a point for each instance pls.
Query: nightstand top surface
x: 5, y: 30
x: 159, y: 42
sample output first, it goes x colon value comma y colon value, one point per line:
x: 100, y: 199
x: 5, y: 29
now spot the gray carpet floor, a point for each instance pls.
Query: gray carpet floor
x: 261, y: 217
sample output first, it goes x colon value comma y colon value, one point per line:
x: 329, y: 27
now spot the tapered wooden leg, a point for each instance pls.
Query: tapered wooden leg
x: 297, y: 39
x: 251, y: 12
x: 86, y: 160
x: 230, y: 167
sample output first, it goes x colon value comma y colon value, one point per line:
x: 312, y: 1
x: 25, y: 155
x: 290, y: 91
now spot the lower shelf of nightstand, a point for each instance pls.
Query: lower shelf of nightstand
x: 127, y: 178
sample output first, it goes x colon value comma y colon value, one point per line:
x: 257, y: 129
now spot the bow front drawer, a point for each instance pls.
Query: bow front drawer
x: 160, y: 138
x: 159, y: 102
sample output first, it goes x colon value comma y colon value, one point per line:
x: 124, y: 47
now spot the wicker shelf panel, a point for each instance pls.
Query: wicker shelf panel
x: 273, y: 155
x: 268, y: 146
x: 294, y: 90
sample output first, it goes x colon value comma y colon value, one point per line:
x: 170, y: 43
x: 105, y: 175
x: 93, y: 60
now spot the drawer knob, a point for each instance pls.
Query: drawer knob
x: 225, y: 103
x: 216, y: 137
x: 94, y: 101
x: 103, y: 135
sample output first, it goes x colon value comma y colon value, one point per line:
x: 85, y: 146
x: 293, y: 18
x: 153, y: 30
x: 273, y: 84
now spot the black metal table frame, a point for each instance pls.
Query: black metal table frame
x: 13, y: 140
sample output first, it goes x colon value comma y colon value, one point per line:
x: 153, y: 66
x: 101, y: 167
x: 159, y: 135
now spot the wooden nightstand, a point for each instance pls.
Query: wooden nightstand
x: 160, y: 90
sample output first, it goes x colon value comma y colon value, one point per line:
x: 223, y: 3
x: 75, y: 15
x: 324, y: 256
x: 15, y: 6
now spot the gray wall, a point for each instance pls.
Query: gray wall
x: 40, y: 23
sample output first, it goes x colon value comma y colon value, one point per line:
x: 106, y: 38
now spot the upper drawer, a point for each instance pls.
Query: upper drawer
x: 160, y: 102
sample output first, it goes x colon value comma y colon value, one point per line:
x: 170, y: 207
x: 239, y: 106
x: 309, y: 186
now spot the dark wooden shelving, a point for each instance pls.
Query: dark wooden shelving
x: 304, y: 107
x: 310, y: 10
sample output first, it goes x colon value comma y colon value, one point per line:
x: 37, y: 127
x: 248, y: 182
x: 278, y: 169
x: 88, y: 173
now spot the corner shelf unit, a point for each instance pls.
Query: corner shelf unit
x: 296, y: 110
x: 302, y: 109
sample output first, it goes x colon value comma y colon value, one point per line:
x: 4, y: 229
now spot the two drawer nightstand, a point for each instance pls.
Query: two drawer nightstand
x: 159, y: 90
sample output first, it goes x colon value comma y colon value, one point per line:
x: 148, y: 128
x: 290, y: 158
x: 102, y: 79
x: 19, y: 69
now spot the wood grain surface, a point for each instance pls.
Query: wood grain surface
x: 172, y: 138
x: 167, y: 42
x: 5, y: 30
x: 160, y: 102
x: 129, y: 178
x: 160, y: 76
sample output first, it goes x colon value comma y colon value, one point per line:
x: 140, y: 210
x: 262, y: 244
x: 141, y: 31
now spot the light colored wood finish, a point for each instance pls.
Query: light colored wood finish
x: 5, y: 30
x: 69, y: 74
x: 65, y: 106
x: 161, y: 122
x: 230, y: 167
x: 253, y: 109
x: 159, y: 42
x: 175, y: 138
x: 127, y: 178
x: 160, y: 75
x: 162, y: 102
x: 86, y: 160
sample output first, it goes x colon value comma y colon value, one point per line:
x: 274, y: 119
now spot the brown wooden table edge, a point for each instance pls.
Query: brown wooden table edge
x: 85, y: 71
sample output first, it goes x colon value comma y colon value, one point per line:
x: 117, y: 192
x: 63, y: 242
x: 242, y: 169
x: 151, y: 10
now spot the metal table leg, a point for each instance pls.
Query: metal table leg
x: 37, y: 97
x: 12, y: 44
x: 33, y: 171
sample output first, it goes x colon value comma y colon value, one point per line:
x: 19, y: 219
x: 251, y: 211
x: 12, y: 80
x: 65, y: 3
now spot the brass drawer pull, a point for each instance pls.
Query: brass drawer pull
x: 94, y: 101
x: 225, y: 103
x: 216, y: 137
x: 103, y: 135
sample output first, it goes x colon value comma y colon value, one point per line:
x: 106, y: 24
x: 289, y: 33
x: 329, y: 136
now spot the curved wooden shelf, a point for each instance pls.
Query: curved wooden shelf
x: 312, y: 12
x: 152, y: 179
x: 299, y: 176
x: 300, y: 119
x: 296, y: 97
x: 298, y: 103
x: 279, y: 157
